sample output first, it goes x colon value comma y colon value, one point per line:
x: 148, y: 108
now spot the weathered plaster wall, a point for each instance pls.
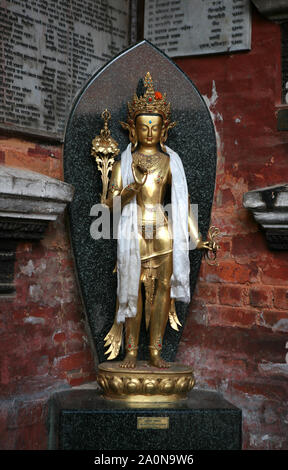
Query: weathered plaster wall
x: 238, y: 316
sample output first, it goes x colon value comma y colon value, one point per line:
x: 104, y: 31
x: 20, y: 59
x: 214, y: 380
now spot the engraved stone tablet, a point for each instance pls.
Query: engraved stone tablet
x: 197, y: 27
x: 49, y: 49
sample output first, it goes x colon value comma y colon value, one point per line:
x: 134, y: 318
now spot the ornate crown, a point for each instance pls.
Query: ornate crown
x: 151, y: 102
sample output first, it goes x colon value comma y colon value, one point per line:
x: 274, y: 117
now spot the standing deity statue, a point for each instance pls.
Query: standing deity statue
x: 153, y: 249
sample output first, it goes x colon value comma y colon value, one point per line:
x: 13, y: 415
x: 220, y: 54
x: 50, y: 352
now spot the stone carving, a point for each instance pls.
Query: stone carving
x: 269, y: 207
x: 28, y: 201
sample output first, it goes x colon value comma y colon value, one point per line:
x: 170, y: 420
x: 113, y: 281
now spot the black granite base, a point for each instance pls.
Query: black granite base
x: 83, y: 420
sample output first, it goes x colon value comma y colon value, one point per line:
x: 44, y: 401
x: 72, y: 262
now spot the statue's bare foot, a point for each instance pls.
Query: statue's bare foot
x: 129, y: 361
x: 157, y: 361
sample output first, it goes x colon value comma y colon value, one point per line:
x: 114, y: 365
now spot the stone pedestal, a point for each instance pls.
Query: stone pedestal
x: 84, y: 420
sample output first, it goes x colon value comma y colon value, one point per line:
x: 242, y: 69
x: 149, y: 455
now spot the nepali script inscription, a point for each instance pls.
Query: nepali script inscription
x: 196, y: 27
x: 49, y: 49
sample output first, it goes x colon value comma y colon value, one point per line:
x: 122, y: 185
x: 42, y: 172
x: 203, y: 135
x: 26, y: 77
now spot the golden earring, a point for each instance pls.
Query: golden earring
x: 132, y: 134
x: 133, y: 139
x: 163, y: 138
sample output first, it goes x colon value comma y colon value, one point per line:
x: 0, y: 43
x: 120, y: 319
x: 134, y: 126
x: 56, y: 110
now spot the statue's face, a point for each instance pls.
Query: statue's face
x: 148, y: 129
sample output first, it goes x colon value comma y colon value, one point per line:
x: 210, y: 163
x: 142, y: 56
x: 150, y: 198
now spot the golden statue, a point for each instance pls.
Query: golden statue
x: 152, y: 250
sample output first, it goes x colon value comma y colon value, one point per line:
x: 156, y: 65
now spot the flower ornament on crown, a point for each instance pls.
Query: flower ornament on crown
x: 152, y: 102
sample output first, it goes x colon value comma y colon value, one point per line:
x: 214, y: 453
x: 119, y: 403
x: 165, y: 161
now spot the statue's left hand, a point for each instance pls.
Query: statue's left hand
x: 210, y: 246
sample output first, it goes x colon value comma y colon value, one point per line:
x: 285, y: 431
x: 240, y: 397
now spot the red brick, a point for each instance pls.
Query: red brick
x: 230, y: 272
x: 231, y: 222
x: 75, y: 341
x: 59, y: 337
x: 276, y: 272
x: 206, y: 292
x: 231, y: 295
x: 46, y: 312
x: 40, y: 163
x: 251, y: 245
x: 8, y: 342
x: 7, y: 439
x: 18, y: 314
x: 256, y: 345
x: 44, y: 151
x: 276, y: 391
x: 32, y: 437
x: 80, y: 377
x: 275, y: 319
x: 73, y: 311
x: 26, y: 414
x: 73, y: 361
x: 225, y: 249
x: 4, y: 411
x: 229, y: 368
x: 227, y: 197
x: 281, y: 297
x: 261, y: 297
x: 4, y: 370
x: 198, y: 312
x: 235, y: 368
x: 231, y: 316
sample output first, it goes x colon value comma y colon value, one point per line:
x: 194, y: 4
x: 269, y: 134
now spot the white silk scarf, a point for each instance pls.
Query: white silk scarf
x: 128, y: 252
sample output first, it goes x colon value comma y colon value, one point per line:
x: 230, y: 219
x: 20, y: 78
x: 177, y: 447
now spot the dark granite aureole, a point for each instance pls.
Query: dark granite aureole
x: 83, y: 420
x: 193, y: 138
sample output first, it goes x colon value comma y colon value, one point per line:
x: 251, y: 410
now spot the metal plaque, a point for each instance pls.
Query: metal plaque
x: 155, y: 422
x: 49, y: 50
x: 195, y: 27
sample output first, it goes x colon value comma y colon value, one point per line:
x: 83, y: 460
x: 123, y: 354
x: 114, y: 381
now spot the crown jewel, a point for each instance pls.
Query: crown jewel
x: 151, y: 102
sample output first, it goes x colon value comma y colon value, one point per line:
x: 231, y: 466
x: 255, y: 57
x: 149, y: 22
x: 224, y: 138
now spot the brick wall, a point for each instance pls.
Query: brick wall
x: 238, y: 316
x: 44, y: 344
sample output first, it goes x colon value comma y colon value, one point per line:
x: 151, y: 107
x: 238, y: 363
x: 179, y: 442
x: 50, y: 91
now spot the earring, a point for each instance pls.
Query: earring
x: 133, y: 139
x: 163, y: 138
x: 132, y: 134
x: 164, y: 134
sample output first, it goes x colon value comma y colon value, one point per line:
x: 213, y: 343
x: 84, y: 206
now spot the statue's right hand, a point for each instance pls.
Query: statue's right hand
x: 140, y: 174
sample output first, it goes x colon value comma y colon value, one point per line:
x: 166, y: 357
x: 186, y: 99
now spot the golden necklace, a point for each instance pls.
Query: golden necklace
x: 150, y: 163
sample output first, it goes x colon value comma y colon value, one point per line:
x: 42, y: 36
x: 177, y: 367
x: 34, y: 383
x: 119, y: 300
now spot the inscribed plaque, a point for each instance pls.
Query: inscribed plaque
x: 152, y: 422
x: 49, y: 49
x: 195, y: 27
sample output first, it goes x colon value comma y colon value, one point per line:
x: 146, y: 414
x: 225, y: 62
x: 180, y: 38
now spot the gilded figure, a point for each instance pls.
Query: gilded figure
x: 153, y: 249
